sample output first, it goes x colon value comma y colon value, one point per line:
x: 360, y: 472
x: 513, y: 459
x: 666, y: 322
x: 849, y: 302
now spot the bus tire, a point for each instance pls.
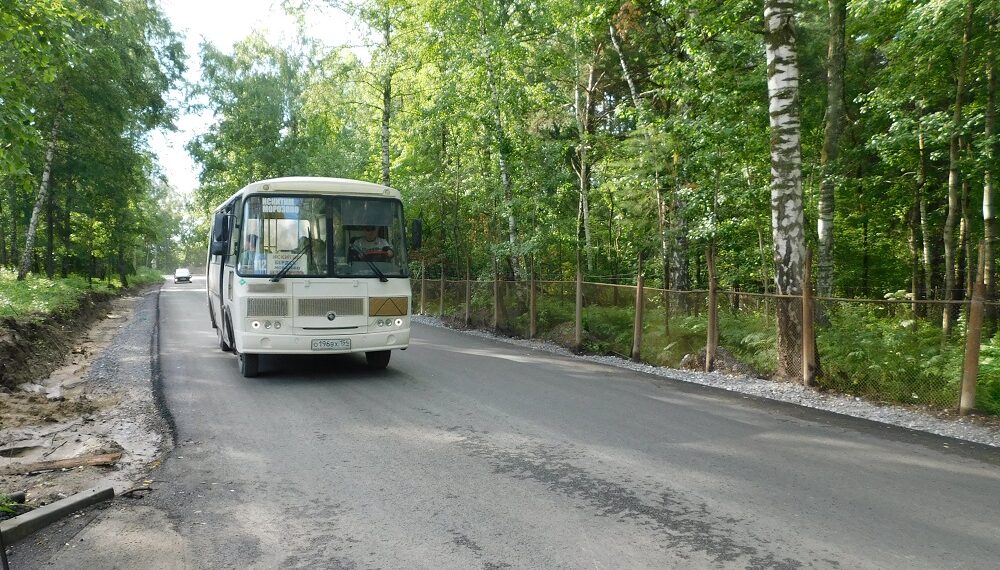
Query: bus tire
x: 249, y: 364
x: 378, y: 359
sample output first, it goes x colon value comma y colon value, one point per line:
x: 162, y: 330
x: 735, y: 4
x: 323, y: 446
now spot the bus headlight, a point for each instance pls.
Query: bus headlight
x: 399, y: 322
x: 277, y: 325
x: 267, y: 324
x: 255, y: 325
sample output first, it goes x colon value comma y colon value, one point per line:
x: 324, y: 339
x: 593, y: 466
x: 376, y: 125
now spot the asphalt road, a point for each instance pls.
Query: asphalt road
x: 471, y: 453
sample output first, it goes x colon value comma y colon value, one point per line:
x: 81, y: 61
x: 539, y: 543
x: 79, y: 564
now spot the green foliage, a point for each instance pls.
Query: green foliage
x: 687, y: 336
x: 609, y: 330
x: 751, y: 337
x: 88, y: 81
x: 988, y: 385
x: 37, y: 296
x: 7, y: 506
x: 552, y: 313
x: 867, y: 352
x: 145, y: 276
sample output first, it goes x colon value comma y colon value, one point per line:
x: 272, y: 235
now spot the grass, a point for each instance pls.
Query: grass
x: 6, y: 505
x: 37, y: 296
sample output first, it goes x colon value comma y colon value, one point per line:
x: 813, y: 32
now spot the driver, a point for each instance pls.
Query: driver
x: 373, y: 247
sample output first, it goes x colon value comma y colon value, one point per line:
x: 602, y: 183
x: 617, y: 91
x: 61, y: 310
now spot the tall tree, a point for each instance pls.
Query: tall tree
x: 24, y: 267
x: 990, y: 236
x: 787, y: 226
x: 954, y: 181
x: 110, y: 93
x: 836, y: 57
x: 256, y: 95
x: 492, y: 20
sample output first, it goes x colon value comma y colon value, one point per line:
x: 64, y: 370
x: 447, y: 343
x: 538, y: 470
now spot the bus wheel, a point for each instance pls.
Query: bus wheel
x: 378, y: 359
x: 248, y: 364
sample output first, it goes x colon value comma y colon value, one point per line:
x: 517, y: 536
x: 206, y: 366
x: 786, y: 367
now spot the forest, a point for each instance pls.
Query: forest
x: 530, y: 135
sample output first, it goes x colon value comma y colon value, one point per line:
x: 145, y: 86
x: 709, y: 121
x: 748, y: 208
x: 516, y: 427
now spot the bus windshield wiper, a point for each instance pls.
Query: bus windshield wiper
x: 381, y: 276
x: 291, y: 262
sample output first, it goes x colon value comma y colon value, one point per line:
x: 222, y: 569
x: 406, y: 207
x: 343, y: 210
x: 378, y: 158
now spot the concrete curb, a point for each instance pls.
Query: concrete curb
x: 16, y: 528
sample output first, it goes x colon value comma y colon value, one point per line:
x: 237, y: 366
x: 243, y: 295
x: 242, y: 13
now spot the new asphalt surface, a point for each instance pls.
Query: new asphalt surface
x: 469, y: 453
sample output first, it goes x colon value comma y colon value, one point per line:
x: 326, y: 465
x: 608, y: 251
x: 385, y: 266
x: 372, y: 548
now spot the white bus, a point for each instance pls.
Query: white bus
x: 304, y: 265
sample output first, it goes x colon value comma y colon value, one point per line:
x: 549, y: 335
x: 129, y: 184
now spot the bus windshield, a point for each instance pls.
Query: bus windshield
x: 322, y: 236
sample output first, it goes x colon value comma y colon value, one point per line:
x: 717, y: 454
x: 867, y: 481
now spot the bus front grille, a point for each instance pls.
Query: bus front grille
x: 267, y: 307
x: 321, y: 306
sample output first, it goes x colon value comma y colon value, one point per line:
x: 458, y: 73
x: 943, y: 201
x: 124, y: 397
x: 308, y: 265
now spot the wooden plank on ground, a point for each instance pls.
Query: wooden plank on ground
x: 86, y: 460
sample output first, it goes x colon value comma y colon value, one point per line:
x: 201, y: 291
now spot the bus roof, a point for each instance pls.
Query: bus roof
x: 315, y: 184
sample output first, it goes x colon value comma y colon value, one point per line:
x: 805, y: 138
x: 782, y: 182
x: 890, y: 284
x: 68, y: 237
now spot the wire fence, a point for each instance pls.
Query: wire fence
x: 882, y: 350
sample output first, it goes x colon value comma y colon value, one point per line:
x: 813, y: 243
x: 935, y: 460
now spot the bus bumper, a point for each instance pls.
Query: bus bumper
x: 289, y: 344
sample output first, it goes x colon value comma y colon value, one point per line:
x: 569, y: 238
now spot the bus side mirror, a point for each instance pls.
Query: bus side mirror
x: 220, y: 235
x: 415, y: 235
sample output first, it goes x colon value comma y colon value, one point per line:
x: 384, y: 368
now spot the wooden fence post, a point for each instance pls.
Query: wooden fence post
x: 532, y: 304
x: 637, y: 326
x: 578, y: 333
x: 970, y: 368
x: 441, y: 300
x: 712, y: 344
x: 423, y: 284
x: 808, y: 328
x: 468, y: 293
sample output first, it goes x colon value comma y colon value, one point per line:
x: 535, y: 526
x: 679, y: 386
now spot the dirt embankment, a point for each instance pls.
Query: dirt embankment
x: 77, y: 387
x: 33, y: 348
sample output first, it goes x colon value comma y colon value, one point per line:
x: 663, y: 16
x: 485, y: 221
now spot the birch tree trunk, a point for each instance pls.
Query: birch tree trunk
x: 989, y: 193
x: 43, y: 191
x: 836, y: 59
x: 786, y: 179
x: 625, y: 71
x: 954, y: 206
x: 913, y: 239
x: 965, y: 261
x: 585, y: 124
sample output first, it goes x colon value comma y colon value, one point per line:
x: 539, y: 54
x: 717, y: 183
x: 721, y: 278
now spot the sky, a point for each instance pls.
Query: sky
x: 225, y: 22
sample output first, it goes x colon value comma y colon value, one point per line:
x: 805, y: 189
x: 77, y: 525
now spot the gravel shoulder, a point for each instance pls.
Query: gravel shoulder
x: 973, y: 428
x: 101, y: 401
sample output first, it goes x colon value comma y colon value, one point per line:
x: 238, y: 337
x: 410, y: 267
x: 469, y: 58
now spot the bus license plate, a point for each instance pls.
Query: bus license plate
x: 331, y: 344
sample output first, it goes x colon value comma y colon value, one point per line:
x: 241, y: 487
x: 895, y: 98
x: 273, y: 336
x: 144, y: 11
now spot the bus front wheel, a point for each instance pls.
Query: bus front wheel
x: 378, y: 359
x: 249, y: 364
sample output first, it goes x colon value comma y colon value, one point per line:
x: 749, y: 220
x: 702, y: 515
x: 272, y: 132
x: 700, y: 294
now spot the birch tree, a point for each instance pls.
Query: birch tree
x: 989, y: 192
x: 786, y: 178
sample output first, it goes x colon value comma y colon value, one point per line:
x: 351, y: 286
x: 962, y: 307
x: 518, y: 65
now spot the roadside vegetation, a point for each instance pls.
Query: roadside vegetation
x: 38, y: 296
x: 613, y: 136
x: 868, y: 351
